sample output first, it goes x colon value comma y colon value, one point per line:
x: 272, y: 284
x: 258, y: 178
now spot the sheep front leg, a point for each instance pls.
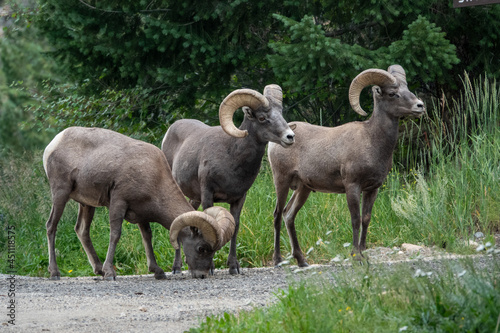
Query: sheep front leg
x: 232, y: 259
x: 353, y: 194
x: 82, y: 229
x: 116, y: 215
x: 147, y: 237
x: 281, y: 194
x: 368, y: 201
x: 177, y: 266
x: 207, y: 201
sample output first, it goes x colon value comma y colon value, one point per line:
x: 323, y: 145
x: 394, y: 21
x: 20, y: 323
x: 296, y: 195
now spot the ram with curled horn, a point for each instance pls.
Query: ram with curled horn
x: 353, y: 158
x: 220, y: 163
x: 98, y: 167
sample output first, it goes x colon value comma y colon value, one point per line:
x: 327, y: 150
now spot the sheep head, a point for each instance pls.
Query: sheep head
x: 209, y: 231
x: 265, y: 110
x: 390, y: 91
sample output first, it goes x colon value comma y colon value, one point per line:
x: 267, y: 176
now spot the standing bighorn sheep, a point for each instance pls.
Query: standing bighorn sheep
x: 98, y: 167
x: 353, y: 158
x: 211, y: 166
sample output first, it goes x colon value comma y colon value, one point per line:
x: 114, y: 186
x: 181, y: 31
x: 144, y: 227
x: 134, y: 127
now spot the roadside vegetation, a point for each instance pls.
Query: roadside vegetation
x: 458, y: 298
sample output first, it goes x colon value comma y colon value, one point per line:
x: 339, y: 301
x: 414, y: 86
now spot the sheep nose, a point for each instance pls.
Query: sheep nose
x: 290, y: 137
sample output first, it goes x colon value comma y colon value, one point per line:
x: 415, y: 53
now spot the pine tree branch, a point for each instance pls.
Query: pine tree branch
x: 350, y: 28
x: 122, y: 12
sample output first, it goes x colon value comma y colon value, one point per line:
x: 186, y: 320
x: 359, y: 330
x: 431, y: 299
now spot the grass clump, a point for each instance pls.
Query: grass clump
x: 460, y: 298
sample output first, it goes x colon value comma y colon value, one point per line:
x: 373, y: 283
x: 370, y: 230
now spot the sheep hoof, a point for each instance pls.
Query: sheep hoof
x: 110, y: 278
x: 303, y: 264
x: 176, y: 271
x: 234, y: 271
x: 161, y: 276
x: 55, y: 278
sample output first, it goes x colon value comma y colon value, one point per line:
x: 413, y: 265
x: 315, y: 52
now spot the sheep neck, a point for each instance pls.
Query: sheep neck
x: 384, y: 131
x: 250, y: 149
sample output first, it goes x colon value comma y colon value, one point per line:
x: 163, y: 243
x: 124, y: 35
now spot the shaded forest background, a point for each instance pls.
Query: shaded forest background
x: 137, y: 66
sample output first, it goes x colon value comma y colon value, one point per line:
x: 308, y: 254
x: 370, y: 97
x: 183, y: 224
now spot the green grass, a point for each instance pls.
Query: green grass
x: 444, y: 203
x: 377, y: 299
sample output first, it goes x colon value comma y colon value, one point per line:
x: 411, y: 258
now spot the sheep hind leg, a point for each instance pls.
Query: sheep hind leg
x: 58, y: 204
x: 82, y: 229
x: 281, y: 195
x: 296, y: 202
x: 147, y: 237
x: 368, y: 201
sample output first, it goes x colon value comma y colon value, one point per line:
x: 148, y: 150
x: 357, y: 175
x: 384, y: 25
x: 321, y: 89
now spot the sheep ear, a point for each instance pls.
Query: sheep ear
x: 377, y: 91
x: 194, y: 231
x: 248, y: 112
x: 293, y: 126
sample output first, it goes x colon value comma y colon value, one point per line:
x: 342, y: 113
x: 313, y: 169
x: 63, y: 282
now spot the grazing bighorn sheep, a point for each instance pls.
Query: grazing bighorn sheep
x: 211, y: 166
x: 98, y: 167
x: 353, y: 158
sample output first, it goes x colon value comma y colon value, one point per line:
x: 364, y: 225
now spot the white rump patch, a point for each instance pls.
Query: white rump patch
x: 50, y: 148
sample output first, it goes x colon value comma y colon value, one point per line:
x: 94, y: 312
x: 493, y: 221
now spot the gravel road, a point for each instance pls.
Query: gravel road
x: 143, y: 304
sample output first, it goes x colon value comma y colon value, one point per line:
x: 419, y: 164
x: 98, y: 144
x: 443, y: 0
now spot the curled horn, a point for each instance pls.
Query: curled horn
x: 234, y: 101
x: 398, y: 72
x: 274, y: 91
x: 366, y: 78
x: 225, y: 224
x: 216, y: 225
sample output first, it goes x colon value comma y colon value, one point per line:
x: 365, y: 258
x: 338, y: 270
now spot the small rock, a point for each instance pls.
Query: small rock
x: 411, y: 247
x: 479, y: 234
x: 143, y: 309
x: 337, y: 258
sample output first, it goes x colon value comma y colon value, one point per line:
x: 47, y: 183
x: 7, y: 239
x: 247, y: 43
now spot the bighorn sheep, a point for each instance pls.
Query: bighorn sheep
x: 211, y: 166
x: 353, y: 158
x: 98, y: 167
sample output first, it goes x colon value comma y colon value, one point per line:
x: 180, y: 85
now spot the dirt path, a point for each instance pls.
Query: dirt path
x: 143, y: 304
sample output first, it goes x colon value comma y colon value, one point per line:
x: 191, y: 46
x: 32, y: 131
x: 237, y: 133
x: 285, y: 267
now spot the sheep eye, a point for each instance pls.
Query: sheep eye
x: 262, y: 118
x: 393, y: 95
